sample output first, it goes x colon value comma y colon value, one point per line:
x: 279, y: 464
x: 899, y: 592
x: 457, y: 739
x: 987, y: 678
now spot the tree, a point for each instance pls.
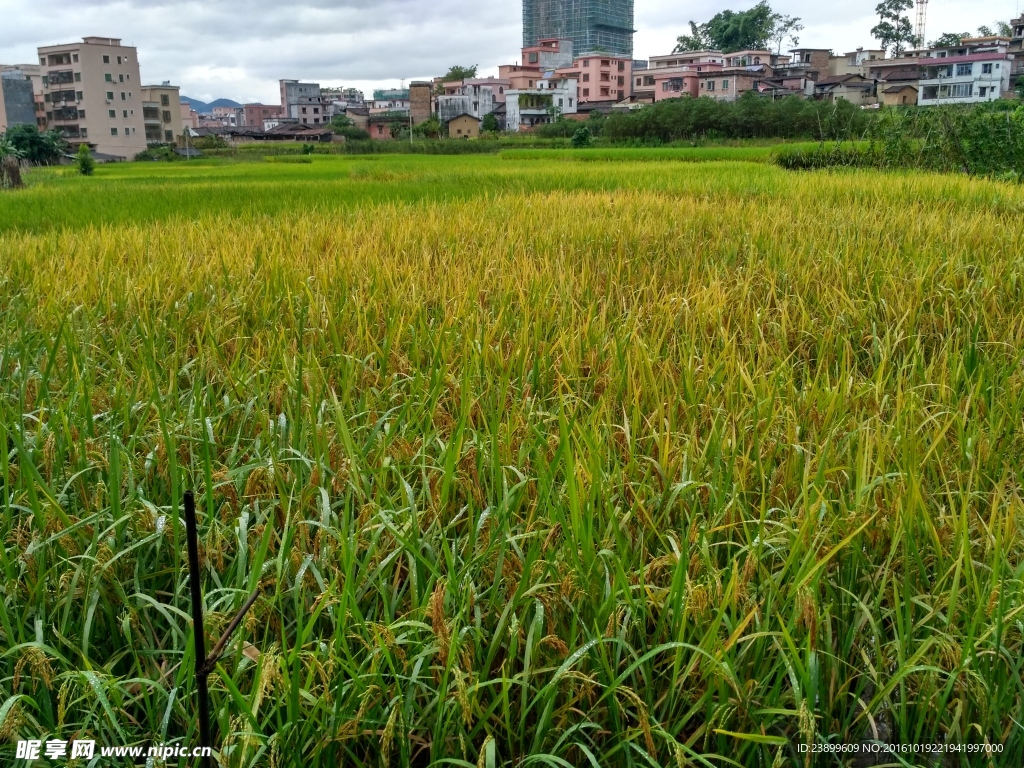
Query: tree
x: 35, y: 147
x: 894, y: 30
x: 948, y: 40
x: 83, y: 160
x: 697, y: 40
x: 428, y: 129
x: 983, y: 31
x: 460, y: 73
x: 1019, y: 88
x: 582, y: 138
x: 785, y: 28
x: 1003, y: 29
x: 729, y: 31
x: 490, y: 123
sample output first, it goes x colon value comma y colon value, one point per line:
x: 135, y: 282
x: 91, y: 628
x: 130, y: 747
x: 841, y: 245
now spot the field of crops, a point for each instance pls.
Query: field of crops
x: 535, y: 462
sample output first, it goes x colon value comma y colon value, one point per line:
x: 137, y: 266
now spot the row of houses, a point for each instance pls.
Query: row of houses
x: 93, y: 92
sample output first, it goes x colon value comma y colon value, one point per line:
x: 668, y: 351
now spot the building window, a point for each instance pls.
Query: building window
x: 586, y: 77
x: 85, y: 133
x: 78, y: 95
x: 168, y: 135
x: 123, y: 97
x: 111, y: 113
x: 622, y: 66
x: 725, y: 85
x: 108, y: 77
x: 711, y: 85
x: 303, y: 110
x: 125, y: 111
x: 586, y: 91
x: 986, y: 69
x: 981, y: 92
x: 81, y: 114
x: 165, y: 100
x: 74, y: 58
x: 120, y: 78
x: 106, y: 59
x: 110, y: 95
x: 167, y: 116
x: 638, y: 82
x: 118, y: 59
x: 113, y: 131
x: 962, y: 70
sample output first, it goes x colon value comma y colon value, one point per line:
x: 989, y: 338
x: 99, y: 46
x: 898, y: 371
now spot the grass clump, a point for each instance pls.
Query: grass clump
x: 713, y: 472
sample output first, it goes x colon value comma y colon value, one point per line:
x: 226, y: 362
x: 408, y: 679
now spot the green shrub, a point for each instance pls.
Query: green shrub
x: 83, y: 160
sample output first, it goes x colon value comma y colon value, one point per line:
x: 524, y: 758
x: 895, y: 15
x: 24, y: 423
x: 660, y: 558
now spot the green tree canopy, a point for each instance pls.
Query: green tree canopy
x: 460, y: 73
x: 35, y: 147
x: 948, y: 40
x: 756, y: 28
x: 894, y: 30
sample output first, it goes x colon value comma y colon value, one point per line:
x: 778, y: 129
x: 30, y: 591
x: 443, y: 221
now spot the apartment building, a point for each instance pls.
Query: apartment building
x: 854, y: 63
x: 548, y: 54
x: 978, y: 69
x: 92, y: 94
x: 302, y: 102
x: 476, y: 97
x: 255, y: 115
x: 161, y: 113
x: 729, y: 83
x: 550, y: 97
x: 675, y: 75
x: 601, y: 76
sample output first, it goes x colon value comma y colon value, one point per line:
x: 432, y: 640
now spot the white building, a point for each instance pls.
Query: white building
x: 529, y: 107
x: 476, y: 97
x: 976, y: 70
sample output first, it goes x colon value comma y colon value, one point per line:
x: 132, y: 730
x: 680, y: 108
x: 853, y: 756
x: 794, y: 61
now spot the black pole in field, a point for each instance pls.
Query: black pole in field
x: 198, y: 633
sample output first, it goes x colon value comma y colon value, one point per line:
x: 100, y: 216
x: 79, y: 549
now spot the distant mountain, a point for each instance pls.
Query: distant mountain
x: 202, y: 106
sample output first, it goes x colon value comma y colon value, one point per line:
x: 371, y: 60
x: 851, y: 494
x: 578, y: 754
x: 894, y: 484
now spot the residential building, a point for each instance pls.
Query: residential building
x: 855, y: 89
x: 730, y: 83
x: 232, y: 116
x: 189, y: 116
x: 161, y: 113
x: 93, y: 94
x: 675, y: 75
x: 592, y: 25
x: 254, y: 115
x: 384, y: 125
x: 34, y: 72
x: 1017, y: 46
x: 302, y: 101
x: 463, y: 127
x: 17, y: 100
x: 976, y: 70
x: 811, y: 59
x: 601, y: 77
x: 853, y: 63
x: 896, y: 81
x: 476, y: 97
x: 390, y: 99
x: 549, y: 53
x: 550, y: 97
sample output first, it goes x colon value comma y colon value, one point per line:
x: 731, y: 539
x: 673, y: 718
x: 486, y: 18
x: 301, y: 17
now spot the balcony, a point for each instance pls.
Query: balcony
x: 65, y: 114
x: 60, y: 77
x: 150, y: 114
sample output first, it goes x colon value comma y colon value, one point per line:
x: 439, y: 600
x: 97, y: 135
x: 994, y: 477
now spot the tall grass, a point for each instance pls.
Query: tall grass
x: 575, y: 472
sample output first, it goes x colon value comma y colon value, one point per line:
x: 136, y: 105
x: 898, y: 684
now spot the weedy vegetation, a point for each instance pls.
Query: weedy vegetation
x: 535, y: 463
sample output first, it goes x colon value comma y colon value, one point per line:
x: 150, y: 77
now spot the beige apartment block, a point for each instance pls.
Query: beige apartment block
x: 161, y: 112
x: 93, y: 94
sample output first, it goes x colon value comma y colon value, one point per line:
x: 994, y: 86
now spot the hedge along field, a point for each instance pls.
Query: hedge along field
x: 657, y: 465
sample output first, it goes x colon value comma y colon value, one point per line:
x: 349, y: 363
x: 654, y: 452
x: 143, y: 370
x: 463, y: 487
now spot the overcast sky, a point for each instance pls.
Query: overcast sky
x: 238, y: 49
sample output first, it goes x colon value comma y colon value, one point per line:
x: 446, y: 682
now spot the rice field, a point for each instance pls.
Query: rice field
x: 535, y: 462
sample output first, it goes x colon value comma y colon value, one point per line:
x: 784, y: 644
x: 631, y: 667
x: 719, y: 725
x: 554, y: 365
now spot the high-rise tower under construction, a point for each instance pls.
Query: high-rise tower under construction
x: 592, y: 25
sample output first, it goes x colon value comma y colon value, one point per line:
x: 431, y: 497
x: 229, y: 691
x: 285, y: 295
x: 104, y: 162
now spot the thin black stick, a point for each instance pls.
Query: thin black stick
x: 218, y: 649
x: 198, y: 633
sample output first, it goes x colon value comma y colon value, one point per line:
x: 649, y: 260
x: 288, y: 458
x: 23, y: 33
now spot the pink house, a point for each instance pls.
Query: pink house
x: 601, y: 77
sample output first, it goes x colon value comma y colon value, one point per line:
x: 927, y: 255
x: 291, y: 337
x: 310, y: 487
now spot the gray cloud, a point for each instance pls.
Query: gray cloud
x: 239, y: 49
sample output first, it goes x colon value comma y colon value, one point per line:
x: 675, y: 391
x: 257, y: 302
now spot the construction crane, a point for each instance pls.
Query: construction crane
x: 922, y: 16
